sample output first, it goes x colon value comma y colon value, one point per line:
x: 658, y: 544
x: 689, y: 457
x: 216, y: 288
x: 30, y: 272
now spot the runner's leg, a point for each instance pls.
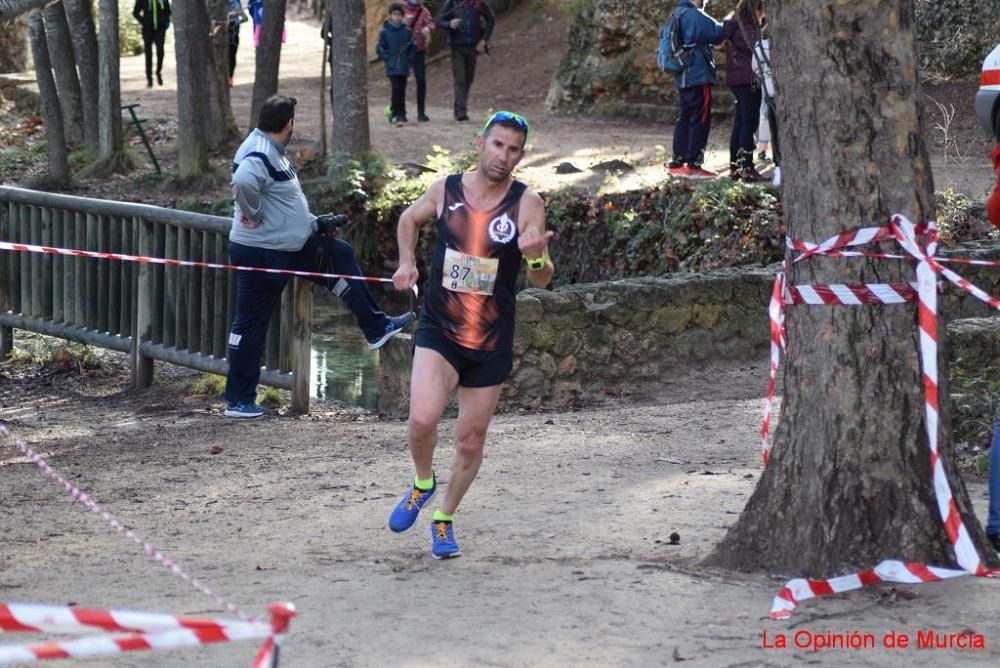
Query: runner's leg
x: 475, y: 410
x: 431, y: 382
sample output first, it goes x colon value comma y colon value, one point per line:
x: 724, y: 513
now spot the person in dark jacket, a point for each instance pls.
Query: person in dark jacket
x: 395, y: 48
x: 742, y: 33
x: 470, y: 25
x: 237, y: 17
x: 699, y: 32
x: 154, y: 16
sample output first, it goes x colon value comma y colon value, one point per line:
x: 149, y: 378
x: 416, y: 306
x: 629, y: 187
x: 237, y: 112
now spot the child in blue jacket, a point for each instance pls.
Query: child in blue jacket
x: 395, y: 48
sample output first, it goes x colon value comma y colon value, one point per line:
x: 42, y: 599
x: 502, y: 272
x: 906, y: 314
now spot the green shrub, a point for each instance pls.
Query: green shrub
x: 129, y: 30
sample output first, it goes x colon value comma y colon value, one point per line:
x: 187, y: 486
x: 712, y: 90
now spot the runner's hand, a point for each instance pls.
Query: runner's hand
x: 455, y: 24
x: 481, y: 47
x: 532, y: 243
x: 405, y: 277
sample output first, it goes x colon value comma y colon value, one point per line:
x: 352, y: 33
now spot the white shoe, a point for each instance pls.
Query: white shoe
x: 776, y: 180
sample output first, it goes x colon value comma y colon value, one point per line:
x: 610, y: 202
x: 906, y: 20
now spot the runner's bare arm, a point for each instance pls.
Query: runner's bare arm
x: 425, y: 208
x: 533, y: 240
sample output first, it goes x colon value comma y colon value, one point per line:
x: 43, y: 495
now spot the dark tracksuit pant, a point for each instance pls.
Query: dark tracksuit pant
x: 397, y: 102
x: 258, y: 294
x: 151, y: 38
x: 419, y: 65
x: 745, y: 123
x: 463, y: 71
x: 693, y: 124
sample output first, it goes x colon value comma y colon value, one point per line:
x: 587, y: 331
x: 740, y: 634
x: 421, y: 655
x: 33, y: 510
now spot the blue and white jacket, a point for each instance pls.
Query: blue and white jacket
x: 267, y: 191
x: 700, y: 31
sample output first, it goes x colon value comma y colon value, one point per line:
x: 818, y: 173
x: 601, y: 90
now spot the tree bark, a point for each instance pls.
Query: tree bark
x: 79, y: 13
x: 265, y: 83
x: 349, y: 80
x: 110, y: 141
x: 64, y: 63
x: 13, y: 46
x: 849, y: 478
x: 10, y: 9
x: 221, y: 123
x: 191, y: 29
x: 54, y: 134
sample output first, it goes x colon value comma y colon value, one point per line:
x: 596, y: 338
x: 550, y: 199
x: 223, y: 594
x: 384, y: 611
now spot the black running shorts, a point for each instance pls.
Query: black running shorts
x: 476, y: 368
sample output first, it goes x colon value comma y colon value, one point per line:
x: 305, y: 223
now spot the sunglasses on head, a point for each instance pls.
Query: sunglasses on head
x: 507, y: 116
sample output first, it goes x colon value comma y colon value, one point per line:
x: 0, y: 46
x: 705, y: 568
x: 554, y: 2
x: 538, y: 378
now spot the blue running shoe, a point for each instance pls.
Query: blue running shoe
x: 393, y: 326
x: 443, y: 543
x: 404, y: 515
x: 244, y: 409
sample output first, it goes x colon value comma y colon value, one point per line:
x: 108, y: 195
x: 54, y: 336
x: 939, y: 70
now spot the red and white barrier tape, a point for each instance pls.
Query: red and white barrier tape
x: 905, y: 233
x: 100, y: 255
x: 145, y: 631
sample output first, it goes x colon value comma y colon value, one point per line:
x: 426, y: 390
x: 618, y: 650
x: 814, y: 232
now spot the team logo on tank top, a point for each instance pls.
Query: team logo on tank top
x: 502, y: 229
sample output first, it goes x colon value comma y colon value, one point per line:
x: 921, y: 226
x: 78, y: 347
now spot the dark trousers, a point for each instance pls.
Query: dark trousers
x: 772, y: 124
x: 258, y: 294
x: 419, y: 65
x: 152, y: 38
x: 693, y: 124
x: 398, y: 101
x: 234, y: 45
x: 463, y: 71
x: 745, y: 121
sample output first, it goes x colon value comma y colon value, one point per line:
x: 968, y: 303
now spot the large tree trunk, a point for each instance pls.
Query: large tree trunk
x: 191, y: 28
x: 13, y: 46
x: 54, y: 136
x: 111, y: 155
x: 849, y: 478
x: 221, y: 123
x: 64, y: 63
x: 81, y: 18
x: 265, y: 83
x: 349, y: 80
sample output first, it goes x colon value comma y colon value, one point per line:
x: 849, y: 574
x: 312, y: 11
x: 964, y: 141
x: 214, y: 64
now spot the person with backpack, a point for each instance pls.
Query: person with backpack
x: 686, y: 52
x: 762, y: 66
x: 742, y: 34
x: 470, y: 25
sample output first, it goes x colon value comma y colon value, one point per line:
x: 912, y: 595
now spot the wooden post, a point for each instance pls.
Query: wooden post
x: 36, y: 265
x: 142, y: 329
x: 56, y: 267
x: 194, y: 278
x: 68, y: 268
x: 301, y: 344
x: 169, y: 288
x: 285, y: 334
x: 220, y: 333
x: 129, y: 276
x: 6, y: 333
x: 80, y: 271
x: 159, y: 278
x: 206, y: 287
x: 14, y: 264
x: 180, y: 290
x: 272, y: 349
x: 103, y: 272
x: 24, y: 222
x: 115, y: 304
x: 91, y: 292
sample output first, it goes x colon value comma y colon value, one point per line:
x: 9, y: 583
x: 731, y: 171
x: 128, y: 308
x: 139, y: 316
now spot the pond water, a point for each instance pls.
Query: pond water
x: 342, y: 366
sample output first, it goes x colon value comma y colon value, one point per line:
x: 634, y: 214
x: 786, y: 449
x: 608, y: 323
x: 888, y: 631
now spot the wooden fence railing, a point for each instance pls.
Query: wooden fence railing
x: 181, y: 314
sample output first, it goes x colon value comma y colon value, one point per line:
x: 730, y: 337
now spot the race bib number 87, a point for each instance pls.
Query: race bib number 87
x: 469, y: 273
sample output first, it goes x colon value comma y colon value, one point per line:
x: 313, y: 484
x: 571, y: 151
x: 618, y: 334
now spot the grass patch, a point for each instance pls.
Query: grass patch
x: 54, y: 353
x: 209, y: 384
x: 270, y: 397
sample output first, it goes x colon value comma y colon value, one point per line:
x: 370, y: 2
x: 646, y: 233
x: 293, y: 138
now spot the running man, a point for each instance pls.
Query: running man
x: 485, y: 222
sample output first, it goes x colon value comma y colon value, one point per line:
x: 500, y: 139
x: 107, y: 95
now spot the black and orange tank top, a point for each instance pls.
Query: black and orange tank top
x: 470, y: 292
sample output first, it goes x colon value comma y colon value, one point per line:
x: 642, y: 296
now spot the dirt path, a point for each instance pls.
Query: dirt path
x: 565, y: 535
x: 528, y: 46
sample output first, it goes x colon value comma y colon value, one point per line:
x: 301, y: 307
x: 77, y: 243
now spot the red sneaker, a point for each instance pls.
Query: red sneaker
x: 700, y: 173
x: 680, y: 171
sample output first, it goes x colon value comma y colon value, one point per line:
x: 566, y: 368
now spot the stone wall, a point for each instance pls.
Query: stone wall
x: 581, y: 343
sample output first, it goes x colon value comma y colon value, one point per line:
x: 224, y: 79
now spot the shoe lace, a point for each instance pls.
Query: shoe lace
x: 442, y: 530
x: 415, y: 495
